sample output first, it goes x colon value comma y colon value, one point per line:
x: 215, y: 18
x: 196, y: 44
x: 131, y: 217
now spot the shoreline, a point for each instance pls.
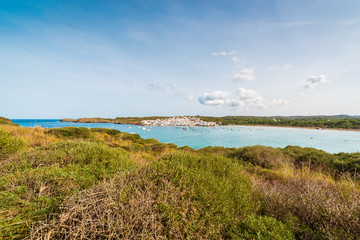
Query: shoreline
x: 252, y: 125
x: 310, y: 128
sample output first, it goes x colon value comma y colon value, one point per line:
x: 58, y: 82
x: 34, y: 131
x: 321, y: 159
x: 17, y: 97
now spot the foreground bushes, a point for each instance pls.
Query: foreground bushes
x: 266, y: 157
x: 82, y: 183
x: 34, y: 183
x: 181, y: 196
x: 330, y: 210
x: 9, y: 144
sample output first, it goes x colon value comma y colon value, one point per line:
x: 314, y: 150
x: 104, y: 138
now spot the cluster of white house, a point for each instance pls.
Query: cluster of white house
x: 178, y: 121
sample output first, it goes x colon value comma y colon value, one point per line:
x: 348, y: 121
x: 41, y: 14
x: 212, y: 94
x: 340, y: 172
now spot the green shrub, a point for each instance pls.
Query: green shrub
x: 266, y: 157
x: 218, y: 191
x: 187, y: 149
x: 217, y: 150
x: 171, y: 145
x: 72, y: 132
x: 112, y: 132
x: 9, y: 144
x: 309, y: 157
x: 157, y: 148
x: 7, y: 121
x: 263, y: 227
x: 35, y: 183
x: 347, y: 162
x: 135, y: 147
x: 181, y: 196
x: 131, y: 137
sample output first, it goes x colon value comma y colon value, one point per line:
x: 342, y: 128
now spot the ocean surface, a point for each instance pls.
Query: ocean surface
x: 332, y: 141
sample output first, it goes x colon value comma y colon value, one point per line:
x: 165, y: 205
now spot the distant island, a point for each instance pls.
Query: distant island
x: 320, y: 122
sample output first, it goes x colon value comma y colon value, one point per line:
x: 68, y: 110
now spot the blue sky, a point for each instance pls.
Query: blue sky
x: 140, y: 58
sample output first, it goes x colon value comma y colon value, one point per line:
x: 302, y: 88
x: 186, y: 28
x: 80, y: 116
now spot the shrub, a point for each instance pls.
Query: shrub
x: 263, y: 227
x: 7, y: 121
x: 72, y: 132
x: 318, y: 204
x: 217, y: 150
x: 310, y: 157
x: 157, y: 148
x: 182, y: 196
x: 186, y: 148
x: 9, y: 144
x: 112, y: 132
x: 34, y: 184
x: 266, y: 157
x: 131, y: 137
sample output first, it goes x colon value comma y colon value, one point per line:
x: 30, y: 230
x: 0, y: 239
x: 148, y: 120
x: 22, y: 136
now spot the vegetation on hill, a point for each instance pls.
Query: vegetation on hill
x: 6, y: 121
x: 340, y: 122
x: 80, y: 183
x: 335, y: 122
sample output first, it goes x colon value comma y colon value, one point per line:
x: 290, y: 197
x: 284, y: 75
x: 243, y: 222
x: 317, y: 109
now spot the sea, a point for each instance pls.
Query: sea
x: 332, y: 141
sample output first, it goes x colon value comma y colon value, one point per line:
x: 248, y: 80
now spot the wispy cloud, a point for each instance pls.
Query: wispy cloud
x: 314, y: 81
x: 155, y: 86
x: 244, y: 74
x: 284, y: 67
x: 223, y: 53
x: 190, y: 98
x: 235, y: 59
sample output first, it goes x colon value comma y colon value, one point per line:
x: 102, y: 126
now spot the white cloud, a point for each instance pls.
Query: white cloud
x: 250, y: 97
x: 245, y: 74
x: 284, y: 67
x: 155, y: 86
x: 245, y: 98
x: 313, y: 81
x: 216, y: 98
x: 277, y: 102
x: 223, y: 53
x: 272, y: 68
x: 234, y: 103
x: 235, y: 59
x: 190, y: 98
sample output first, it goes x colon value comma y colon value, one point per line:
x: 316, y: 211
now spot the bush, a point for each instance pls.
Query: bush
x: 72, y: 132
x: 112, y: 132
x: 131, y: 137
x: 182, y: 196
x: 217, y: 150
x: 9, y: 144
x: 318, y: 204
x: 7, y: 121
x: 310, y: 157
x: 35, y: 183
x: 157, y: 148
x: 263, y: 227
x: 266, y: 157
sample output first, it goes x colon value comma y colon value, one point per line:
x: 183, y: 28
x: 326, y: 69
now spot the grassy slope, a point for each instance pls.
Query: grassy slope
x: 101, y: 183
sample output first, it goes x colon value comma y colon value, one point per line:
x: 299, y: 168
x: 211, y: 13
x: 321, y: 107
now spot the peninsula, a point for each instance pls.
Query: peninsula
x: 321, y: 122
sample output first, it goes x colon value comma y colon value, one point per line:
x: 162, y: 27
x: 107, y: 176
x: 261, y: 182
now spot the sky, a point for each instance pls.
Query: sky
x: 118, y: 58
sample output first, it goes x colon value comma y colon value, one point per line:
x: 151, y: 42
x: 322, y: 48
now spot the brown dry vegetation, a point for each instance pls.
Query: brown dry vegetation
x: 80, y: 183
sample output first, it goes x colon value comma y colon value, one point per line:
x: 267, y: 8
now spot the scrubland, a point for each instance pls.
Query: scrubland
x: 80, y: 183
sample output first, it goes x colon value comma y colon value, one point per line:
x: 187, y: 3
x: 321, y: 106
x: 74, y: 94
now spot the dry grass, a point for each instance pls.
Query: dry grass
x: 124, y: 207
x: 33, y: 136
x: 315, y: 202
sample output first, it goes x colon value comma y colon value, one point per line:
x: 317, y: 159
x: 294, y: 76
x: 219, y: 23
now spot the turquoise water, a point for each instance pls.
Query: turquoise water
x: 332, y: 141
